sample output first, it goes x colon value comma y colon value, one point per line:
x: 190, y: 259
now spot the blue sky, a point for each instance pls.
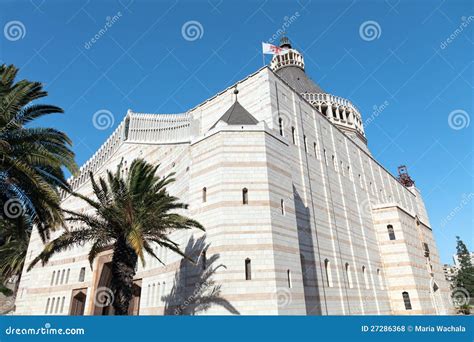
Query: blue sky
x: 144, y: 62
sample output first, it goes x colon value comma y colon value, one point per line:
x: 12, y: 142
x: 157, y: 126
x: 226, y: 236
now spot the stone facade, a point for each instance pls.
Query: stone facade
x: 294, y: 203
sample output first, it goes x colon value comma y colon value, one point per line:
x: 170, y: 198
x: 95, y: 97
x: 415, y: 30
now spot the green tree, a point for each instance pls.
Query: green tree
x: 464, y: 277
x: 131, y: 214
x: 31, y: 158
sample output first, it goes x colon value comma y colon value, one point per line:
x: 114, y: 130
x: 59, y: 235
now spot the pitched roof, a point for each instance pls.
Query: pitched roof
x: 237, y: 115
x: 298, y: 80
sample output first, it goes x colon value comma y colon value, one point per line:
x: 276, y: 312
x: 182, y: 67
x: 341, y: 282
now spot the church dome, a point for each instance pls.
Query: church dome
x: 289, y: 65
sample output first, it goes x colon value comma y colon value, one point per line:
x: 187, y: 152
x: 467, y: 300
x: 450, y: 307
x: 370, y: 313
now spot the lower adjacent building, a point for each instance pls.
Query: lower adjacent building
x: 300, y: 218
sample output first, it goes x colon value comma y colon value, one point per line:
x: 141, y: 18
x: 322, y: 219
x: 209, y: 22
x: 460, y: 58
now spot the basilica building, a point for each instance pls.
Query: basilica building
x: 300, y: 218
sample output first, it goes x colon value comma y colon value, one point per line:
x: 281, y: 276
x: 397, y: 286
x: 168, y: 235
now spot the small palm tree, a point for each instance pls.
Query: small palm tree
x: 131, y: 214
x: 31, y: 158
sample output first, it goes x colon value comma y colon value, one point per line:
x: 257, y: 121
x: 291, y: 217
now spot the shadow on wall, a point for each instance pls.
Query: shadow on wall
x: 194, y: 290
x: 308, y: 259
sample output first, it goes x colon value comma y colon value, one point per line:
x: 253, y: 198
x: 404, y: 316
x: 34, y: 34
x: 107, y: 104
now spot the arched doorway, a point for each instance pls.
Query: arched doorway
x: 78, y: 302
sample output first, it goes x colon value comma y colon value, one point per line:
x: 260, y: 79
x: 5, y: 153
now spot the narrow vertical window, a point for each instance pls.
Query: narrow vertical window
x: 248, y: 269
x: 288, y: 276
x: 204, y: 260
x: 334, y: 162
x: 52, y: 278
x: 58, y: 275
x: 391, y: 232
x: 305, y: 145
x: 245, y: 196
x: 366, y: 280
x: 82, y: 274
x: 327, y: 267
x: 63, y: 274
x: 293, y: 134
x: 204, y: 194
x: 280, y: 124
x: 47, y: 306
x: 303, y: 268
x: 67, y: 275
x: 62, y: 304
x: 315, y: 147
x: 51, y: 310
x: 325, y: 156
x: 406, y: 300
x: 379, y: 276
x: 282, y: 207
x: 349, y: 275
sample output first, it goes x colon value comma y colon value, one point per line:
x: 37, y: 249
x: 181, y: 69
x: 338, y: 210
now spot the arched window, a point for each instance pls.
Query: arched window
x: 204, y: 194
x: 82, y: 274
x: 349, y: 275
x: 58, y: 275
x: 293, y: 134
x: 280, y: 124
x: 282, y: 207
x: 303, y: 268
x: 288, y: 276
x: 391, y: 232
x: 248, y: 269
x: 305, y: 145
x: 52, y: 278
x: 406, y: 300
x: 315, y: 147
x: 51, y: 310
x: 62, y: 304
x: 245, y: 196
x: 63, y: 274
x: 204, y: 260
x: 47, y: 306
x: 67, y: 275
x: 327, y: 267
x: 379, y: 276
x: 366, y: 280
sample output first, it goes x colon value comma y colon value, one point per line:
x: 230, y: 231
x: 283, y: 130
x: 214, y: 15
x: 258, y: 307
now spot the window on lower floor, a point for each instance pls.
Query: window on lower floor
x: 327, y: 267
x: 288, y: 276
x: 82, y: 274
x: 391, y: 232
x: 366, y: 280
x: 248, y: 269
x: 406, y: 300
x: 245, y: 196
x: 349, y: 275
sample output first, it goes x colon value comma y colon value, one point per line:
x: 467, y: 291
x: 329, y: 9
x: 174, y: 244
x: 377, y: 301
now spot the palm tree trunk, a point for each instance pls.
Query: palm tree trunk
x: 124, y: 262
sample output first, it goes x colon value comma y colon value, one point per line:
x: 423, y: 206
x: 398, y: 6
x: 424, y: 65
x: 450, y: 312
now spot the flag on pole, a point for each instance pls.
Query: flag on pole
x: 270, y: 49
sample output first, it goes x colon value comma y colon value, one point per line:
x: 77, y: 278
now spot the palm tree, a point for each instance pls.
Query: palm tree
x: 14, y: 238
x: 31, y: 158
x: 131, y: 213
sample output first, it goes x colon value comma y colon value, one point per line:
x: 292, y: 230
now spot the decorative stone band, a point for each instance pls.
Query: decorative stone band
x: 337, y: 109
x: 136, y: 128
